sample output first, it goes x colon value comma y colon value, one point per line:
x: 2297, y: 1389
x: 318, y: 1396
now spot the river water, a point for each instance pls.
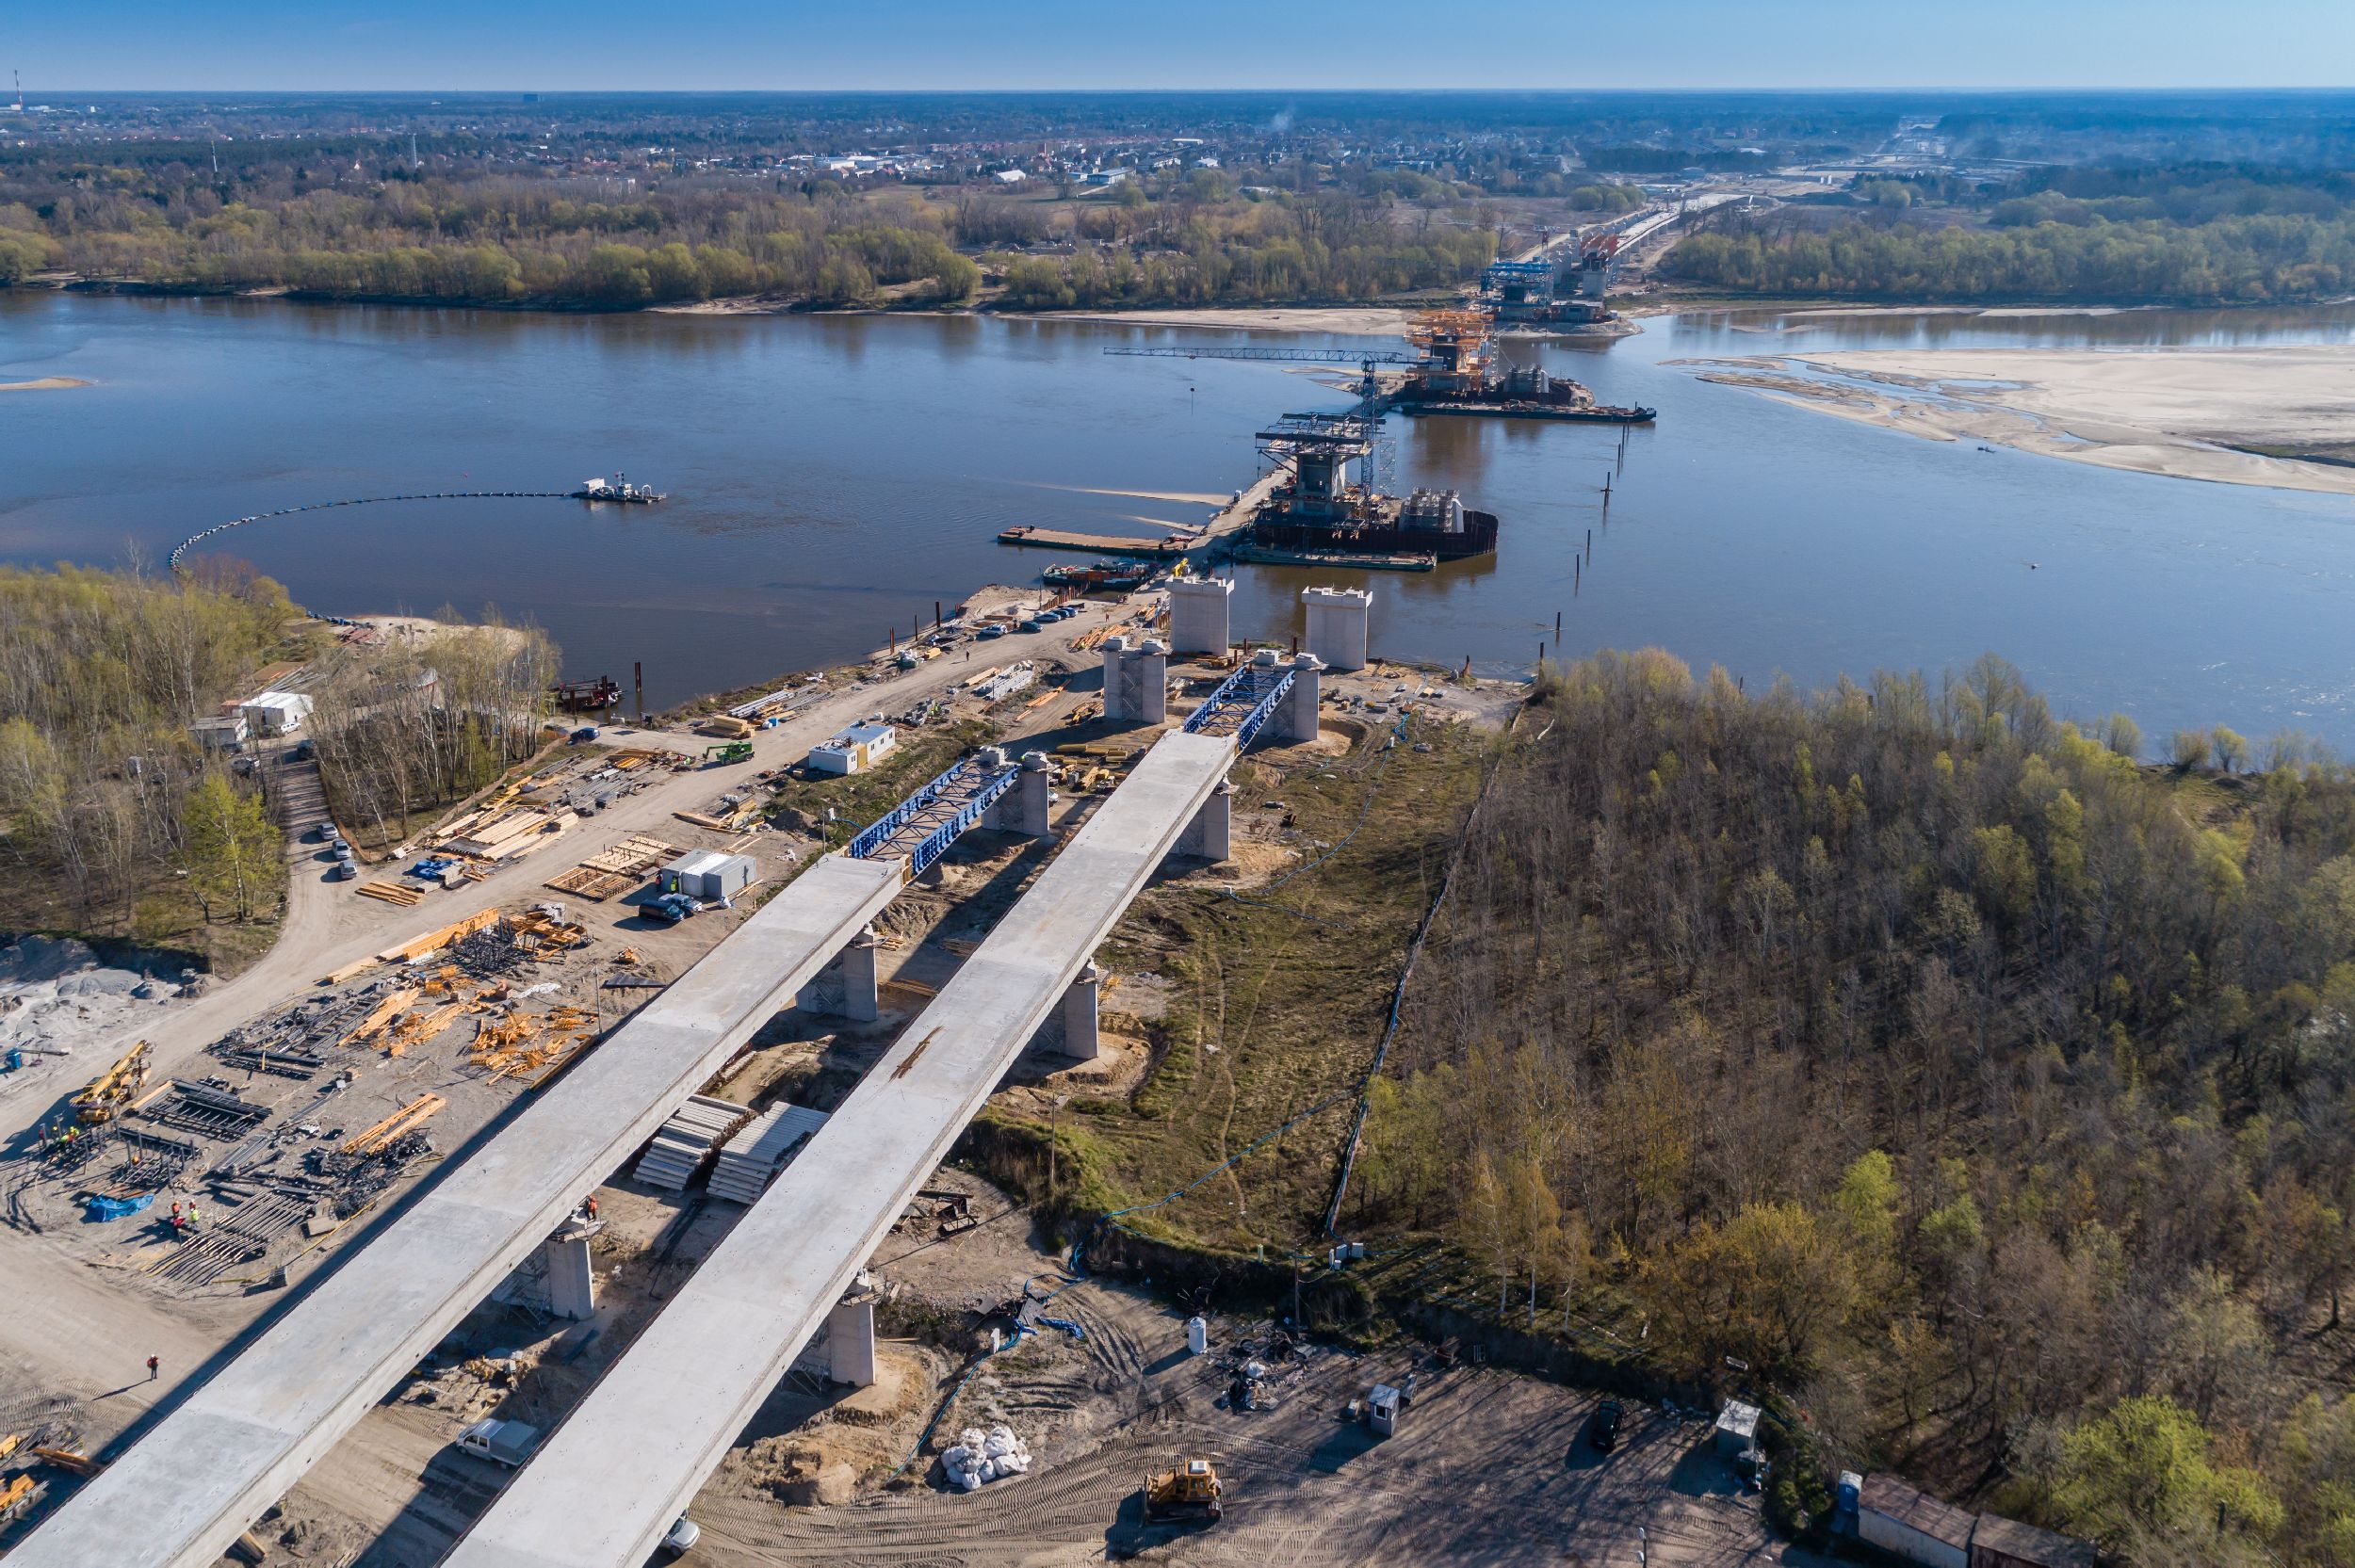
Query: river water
x: 834, y: 478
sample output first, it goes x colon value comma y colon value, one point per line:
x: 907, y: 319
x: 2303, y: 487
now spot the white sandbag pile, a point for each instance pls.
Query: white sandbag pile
x: 979, y: 1459
x: 756, y: 1154
x: 687, y: 1139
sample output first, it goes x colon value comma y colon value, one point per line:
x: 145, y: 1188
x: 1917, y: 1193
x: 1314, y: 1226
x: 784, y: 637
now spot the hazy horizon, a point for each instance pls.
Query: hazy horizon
x: 1059, y: 45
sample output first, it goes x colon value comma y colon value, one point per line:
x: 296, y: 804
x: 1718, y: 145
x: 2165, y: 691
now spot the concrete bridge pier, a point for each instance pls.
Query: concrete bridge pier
x: 572, y: 1283
x: 851, y: 1338
x: 1136, y: 681
x: 1211, y: 834
x: 1024, y: 808
x: 1079, y: 1040
x: 1296, y: 715
x: 847, y: 987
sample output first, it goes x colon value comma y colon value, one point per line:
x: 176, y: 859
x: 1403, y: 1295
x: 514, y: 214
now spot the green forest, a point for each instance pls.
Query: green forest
x: 1986, y: 1094
x: 115, y: 824
x: 513, y: 240
x: 2146, y: 236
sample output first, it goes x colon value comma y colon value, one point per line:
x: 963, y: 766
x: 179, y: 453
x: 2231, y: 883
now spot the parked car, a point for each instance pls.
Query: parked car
x: 682, y: 1536
x: 989, y: 633
x: 1605, y: 1432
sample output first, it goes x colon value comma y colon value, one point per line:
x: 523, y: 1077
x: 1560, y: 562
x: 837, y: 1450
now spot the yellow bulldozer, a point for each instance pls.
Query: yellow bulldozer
x: 1189, y: 1491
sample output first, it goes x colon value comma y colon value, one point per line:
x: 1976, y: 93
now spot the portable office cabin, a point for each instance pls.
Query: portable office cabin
x: 276, y: 712
x: 854, y: 751
x: 2001, y: 1543
x: 225, y: 734
x: 708, y: 875
x: 1913, y: 1525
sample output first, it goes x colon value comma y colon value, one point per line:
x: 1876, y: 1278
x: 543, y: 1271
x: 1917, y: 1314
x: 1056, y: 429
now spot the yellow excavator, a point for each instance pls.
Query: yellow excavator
x: 1190, y: 1492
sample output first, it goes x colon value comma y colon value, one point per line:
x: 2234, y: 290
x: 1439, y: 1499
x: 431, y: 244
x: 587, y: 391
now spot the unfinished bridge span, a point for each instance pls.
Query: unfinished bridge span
x: 611, y: 1480
x: 181, y: 1494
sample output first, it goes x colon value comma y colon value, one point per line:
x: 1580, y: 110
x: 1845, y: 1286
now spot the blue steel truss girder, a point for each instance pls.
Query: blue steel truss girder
x: 950, y: 805
x: 1241, y: 704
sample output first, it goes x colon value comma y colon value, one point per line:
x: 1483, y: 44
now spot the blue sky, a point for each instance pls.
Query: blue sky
x: 448, y: 45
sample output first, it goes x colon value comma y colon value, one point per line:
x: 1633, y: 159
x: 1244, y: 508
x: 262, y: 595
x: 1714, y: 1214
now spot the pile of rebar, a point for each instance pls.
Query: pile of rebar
x: 205, y: 1112
x: 240, y: 1238
x: 263, y: 1059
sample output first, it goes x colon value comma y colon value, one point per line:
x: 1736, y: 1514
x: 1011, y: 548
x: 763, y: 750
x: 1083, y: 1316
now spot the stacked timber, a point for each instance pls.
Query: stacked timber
x: 687, y: 1139
x: 755, y: 1156
x: 509, y: 834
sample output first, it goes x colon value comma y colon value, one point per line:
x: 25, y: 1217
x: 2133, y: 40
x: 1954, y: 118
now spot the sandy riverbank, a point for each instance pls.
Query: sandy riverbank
x: 2179, y: 412
x: 46, y: 383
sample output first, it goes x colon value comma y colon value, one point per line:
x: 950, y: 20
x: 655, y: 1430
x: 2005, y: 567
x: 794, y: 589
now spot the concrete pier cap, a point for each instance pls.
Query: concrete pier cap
x: 991, y: 756
x: 1198, y: 615
x: 1337, y: 624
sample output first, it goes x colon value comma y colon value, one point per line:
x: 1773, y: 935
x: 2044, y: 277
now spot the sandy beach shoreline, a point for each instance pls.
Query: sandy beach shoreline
x: 45, y: 383
x: 2215, y: 414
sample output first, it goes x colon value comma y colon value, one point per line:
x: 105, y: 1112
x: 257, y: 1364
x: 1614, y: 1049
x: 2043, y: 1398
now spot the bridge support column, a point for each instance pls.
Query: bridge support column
x: 851, y: 1340
x: 1337, y: 624
x: 1033, y: 797
x: 572, y: 1283
x: 1211, y: 834
x: 847, y: 986
x: 1078, y: 1014
x: 1136, y: 681
x: 1296, y: 715
x: 1197, y: 615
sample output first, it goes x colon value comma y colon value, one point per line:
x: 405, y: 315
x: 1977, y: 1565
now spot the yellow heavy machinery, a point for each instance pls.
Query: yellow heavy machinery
x: 1189, y: 1491
x: 113, y: 1091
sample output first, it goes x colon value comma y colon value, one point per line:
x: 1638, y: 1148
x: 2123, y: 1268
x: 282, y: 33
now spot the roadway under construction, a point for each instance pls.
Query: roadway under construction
x: 179, y: 1497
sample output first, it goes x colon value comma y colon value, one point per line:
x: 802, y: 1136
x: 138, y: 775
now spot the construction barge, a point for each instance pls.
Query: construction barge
x: 1172, y: 547
x: 1457, y: 375
x: 1322, y: 513
x: 1263, y: 555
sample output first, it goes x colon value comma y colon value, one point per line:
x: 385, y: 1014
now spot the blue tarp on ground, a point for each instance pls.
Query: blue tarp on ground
x: 116, y: 1208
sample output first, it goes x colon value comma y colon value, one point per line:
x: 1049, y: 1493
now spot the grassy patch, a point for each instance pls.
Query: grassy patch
x: 860, y: 798
x: 1277, y: 998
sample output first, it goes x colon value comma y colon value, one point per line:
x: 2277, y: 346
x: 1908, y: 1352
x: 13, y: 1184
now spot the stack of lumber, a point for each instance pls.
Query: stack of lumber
x: 536, y: 931
x: 406, y: 1118
x: 433, y: 942
x: 380, y: 1016
x: 614, y: 870
x: 687, y: 1139
x: 754, y: 1157
x: 509, y: 834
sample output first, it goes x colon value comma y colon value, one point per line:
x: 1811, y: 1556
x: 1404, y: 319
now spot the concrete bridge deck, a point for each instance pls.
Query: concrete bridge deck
x: 610, y: 1482
x: 184, y: 1492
